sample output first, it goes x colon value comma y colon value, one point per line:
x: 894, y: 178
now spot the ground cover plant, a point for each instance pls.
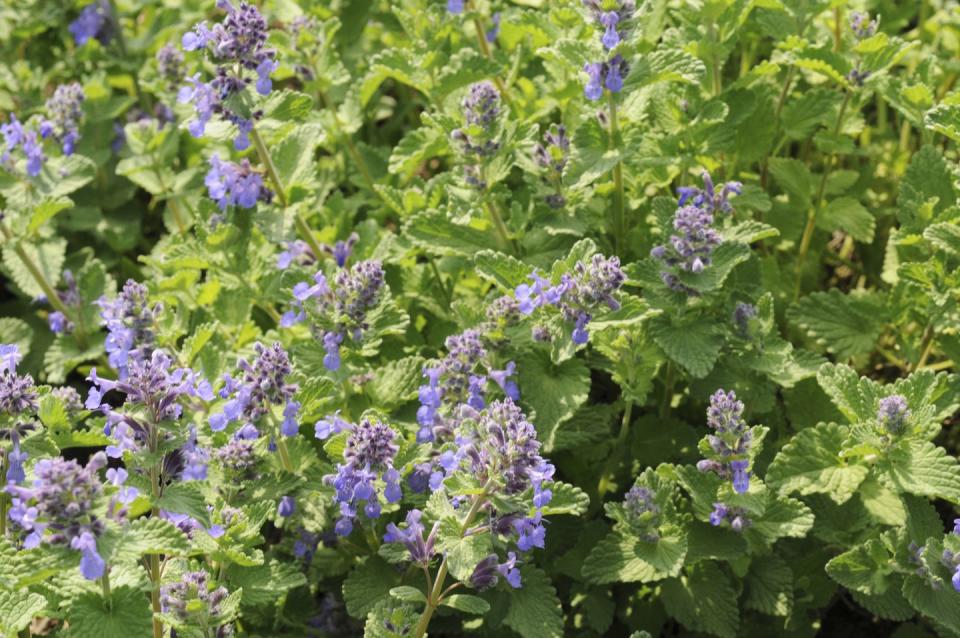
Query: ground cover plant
x: 479, y: 317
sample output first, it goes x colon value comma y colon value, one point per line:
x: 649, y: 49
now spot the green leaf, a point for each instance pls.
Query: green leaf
x: 185, y: 498
x: 396, y: 382
x: 928, y: 177
x: 408, y: 594
x: 294, y: 156
x: 467, y: 603
x: 944, y: 236
x: 864, y: 568
x: 703, y: 600
x: 922, y: 468
x: 855, y: 397
x: 769, y: 586
x: 592, y: 156
x: 846, y: 213
x: 505, y: 271
x: 554, y: 391
x: 18, y: 609
x: 567, y: 499
x: 47, y: 210
x: 535, y: 611
x: 47, y: 257
x: 692, y: 343
x: 263, y: 584
x: 811, y: 464
x: 143, y: 536
x: 17, y: 332
x: 937, y: 604
x: 435, y: 233
x: 126, y: 614
x: 664, y: 65
x: 463, y: 552
x: 414, y: 149
x: 794, y: 177
x: 367, y: 584
x: 287, y: 106
x: 846, y: 325
x: 629, y: 559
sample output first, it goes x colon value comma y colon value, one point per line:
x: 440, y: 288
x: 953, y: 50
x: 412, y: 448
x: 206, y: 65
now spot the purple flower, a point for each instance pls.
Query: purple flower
x: 741, y: 477
x: 94, y: 22
x: 287, y: 507
x: 92, y: 566
x: 192, y: 596
x: 489, y: 570
x: 342, y: 249
x: 455, y: 6
x: 736, y: 516
x: 421, y: 550
x: 368, y: 455
x: 130, y: 323
x: 15, y: 460
x: 611, y: 38
x: 330, y: 425
x: 65, y: 110
x: 229, y: 184
x: 17, y: 392
x: 501, y: 378
x: 893, y: 413
x: 862, y: 26
x: 594, y: 87
x: 16, y: 136
x: 494, y: 30
x: 742, y: 314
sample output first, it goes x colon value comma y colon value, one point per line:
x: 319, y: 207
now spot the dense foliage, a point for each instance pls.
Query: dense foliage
x: 479, y: 317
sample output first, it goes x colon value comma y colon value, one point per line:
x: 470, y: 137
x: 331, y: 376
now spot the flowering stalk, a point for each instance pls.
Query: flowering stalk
x: 485, y: 49
x: 52, y: 296
x: 619, y: 223
x: 436, y: 591
x: 818, y: 203
x: 267, y: 161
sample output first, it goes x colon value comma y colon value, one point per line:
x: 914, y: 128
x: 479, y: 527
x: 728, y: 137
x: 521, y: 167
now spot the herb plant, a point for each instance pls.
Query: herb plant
x: 480, y: 317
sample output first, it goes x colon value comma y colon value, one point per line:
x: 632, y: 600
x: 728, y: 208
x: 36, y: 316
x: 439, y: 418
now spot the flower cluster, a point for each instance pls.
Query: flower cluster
x: 238, y: 44
x: 608, y: 74
x: 481, y: 110
x: 499, y: 447
x: 862, y: 26
x: 150, y: 383
x: 691, y: 247
x: 368, y: 461
x: 130, y: 321
x: 730, y: 443
x: 235, y: 184
x: 612, y: 16
x: 64, y: 109
x: 643, y: 512
x: 340, y: 310
x: 70, y: 297
x: 170, y: 61
x: 893, y: 413
x: 262, y: 386
x: 192, y: 596
x: 552, y: 156
x: 421, y: 550
x: 736, y: 516
x: 59, y: 509
x: 17, y: 392
x: 15, y: 136
x: 577, y: 296
x: 95, y: 22
x: 459, y: 378
x: 743, y: 314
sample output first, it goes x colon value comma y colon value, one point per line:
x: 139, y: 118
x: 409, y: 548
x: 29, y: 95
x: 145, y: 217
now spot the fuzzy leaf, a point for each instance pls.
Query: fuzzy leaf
x: 628, y: 559
x: 535, y: 611
x: 810, y: 463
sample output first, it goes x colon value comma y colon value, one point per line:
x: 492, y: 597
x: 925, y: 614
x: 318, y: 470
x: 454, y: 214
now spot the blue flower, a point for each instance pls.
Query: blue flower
x: 611, y: 38
x: 455, y: 6
x: 594, y: 87
x: 741, y: 477
x: 94, y: 22
x: 287, y: 507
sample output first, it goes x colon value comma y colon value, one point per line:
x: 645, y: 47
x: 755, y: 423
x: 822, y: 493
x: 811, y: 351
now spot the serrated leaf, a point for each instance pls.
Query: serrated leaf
x: 863, y: 568
x: 922, y: 468
x: 126, y: 614
x: 18, y: 608
x: 769, y: 586
x: 567, y: 499
x: 505, y: 271
x: 396, y: 382
x: 945, y: 237
x: 535, y: 611
x: 17, y: 332
x: 693, y: 344
x: 368, y: 584
x: 664, y: 65
x: 185, y: 498
x: 704, y: 600
x: 794, y: 177
x: 811, y: 464
x: 467, y: 603
x: 47, y: 257
x: 629, y: 559
x: 554, y: 391
x: 937, y: 604
x: 846, y: 213
x: 846, y: 325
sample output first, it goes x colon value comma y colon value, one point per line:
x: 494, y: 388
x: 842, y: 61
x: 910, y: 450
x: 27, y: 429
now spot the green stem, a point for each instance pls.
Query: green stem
x: 155, y: 594
x: 667, y: 391
x: 52, y: 297
x: 818, y: 202
x: 105, y: 586
x: 447, y: 297
x: 781, y: 100
x: 435, y: 595
x: 284, y: 454
x: 485, y: 49
x: 619, y: 222
x: 926, y: 346
x: 267, y: 162
x: 625, y: 424
x: 499, y: 226
x: 125, y: 56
